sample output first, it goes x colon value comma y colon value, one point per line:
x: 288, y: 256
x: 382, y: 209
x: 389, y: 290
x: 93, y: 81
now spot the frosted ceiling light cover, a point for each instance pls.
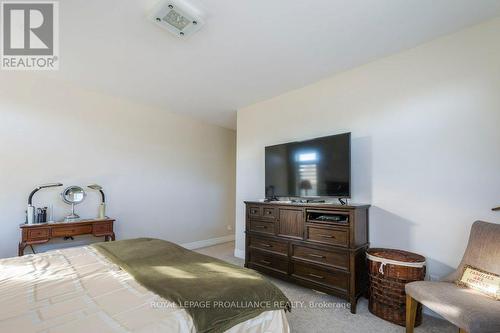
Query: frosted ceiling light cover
x: 178, y: 17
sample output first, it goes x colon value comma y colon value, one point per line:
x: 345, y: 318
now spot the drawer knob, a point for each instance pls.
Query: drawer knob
x: 265, y: 262
x: 261, y: 226
x: 316, y: 276
x: 326, y: 236
x: 266, y: 245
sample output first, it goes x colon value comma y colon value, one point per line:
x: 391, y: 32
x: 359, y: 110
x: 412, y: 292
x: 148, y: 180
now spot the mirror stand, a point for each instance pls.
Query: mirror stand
x: 73, y: 216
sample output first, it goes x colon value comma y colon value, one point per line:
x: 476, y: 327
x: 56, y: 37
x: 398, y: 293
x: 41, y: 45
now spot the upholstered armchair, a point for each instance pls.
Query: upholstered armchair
x: 467, y: 309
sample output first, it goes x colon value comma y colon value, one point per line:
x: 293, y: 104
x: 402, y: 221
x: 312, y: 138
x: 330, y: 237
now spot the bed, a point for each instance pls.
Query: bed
x: 82, y: 290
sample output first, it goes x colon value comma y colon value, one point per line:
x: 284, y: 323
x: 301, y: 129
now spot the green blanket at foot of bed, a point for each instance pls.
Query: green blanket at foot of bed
x: 216, y: 294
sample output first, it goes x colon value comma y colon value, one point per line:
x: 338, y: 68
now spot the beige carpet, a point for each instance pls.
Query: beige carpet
x: 307, y: 319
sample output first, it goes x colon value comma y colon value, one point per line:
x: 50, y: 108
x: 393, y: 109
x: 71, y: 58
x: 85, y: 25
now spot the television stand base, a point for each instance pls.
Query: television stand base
x: 318, y: 231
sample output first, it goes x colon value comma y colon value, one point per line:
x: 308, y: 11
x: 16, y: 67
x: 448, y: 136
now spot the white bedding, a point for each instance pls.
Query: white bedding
x: 77, y: 290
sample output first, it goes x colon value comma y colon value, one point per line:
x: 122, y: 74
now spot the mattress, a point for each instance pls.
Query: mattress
x: 78, y: 290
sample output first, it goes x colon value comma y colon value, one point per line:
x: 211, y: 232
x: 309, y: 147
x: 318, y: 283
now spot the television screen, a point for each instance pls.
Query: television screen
x: 317, y: 167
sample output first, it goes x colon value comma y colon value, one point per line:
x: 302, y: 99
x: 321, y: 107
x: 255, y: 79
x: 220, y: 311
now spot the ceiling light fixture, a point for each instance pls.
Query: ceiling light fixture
x: 178, y: 17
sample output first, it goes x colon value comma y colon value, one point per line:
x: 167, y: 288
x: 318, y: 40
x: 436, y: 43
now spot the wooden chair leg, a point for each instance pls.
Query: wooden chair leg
x: 411, y: 313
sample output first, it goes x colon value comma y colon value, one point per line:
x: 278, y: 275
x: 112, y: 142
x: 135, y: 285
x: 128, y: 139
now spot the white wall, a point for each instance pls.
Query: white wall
x: 425, y: 145
x: 165, y: 175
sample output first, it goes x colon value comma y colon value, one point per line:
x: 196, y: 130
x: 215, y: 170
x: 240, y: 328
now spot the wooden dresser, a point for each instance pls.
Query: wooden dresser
x: 321, y: 246
x: 32, y: 234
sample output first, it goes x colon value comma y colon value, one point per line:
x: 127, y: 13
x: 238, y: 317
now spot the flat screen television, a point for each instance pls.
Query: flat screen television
x: 318, y: 167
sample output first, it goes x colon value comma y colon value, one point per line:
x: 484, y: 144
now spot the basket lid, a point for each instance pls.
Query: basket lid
x: 396, y: 255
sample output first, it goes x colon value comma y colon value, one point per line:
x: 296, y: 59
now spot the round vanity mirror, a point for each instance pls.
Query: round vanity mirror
x: 73, y: 195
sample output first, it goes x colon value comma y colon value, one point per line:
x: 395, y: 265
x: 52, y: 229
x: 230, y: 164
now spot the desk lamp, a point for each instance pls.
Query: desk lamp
x: 30, y: 212
x: 102, y: 206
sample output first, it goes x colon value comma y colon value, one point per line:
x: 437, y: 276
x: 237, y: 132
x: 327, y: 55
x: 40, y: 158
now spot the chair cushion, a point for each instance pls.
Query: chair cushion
x: 465, y: 308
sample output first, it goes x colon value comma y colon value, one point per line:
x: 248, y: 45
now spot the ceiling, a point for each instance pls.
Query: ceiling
x: 248, y: 50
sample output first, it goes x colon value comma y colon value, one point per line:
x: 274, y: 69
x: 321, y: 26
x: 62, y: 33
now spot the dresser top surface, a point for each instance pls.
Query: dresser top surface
x: 59, y: 223
x: 309, y: 204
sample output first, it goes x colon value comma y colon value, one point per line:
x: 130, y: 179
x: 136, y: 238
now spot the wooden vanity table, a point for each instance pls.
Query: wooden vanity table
x: 33, y: 234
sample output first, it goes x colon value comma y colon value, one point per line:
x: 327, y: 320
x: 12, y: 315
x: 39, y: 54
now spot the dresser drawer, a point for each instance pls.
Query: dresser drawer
x: 329, y: 236
x: 262, y: 226
x: 269, y: 213
x: 335, y: 279
x: 71, y: 231
x: 268, y: 245
x: 269, y: 261
x: 101, y: 228
x: 38, y: 234
x: 334, y: 258
x: 254, y: 211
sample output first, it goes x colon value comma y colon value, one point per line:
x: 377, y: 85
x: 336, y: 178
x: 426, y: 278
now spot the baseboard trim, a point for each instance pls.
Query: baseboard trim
x: 208, y: 242
x: 239, y: 253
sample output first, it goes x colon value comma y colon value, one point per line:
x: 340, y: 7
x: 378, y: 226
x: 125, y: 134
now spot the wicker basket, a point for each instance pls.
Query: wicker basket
x: 390, y: 270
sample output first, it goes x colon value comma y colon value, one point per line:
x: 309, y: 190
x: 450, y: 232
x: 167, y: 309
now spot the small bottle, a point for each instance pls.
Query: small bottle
x: 44, y: 214
x: 39, y: 215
